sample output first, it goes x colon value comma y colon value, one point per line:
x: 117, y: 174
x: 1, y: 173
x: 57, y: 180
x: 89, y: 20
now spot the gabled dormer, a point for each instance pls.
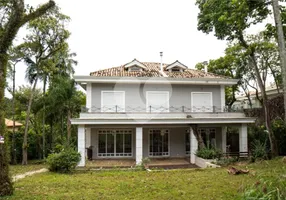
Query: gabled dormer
x: 134, y: 66
x: 176, y: 67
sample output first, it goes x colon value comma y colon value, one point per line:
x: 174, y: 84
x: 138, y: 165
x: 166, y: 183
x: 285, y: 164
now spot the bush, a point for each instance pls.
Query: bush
x: 63, y: 162
x: 227, y: 161
x: 209, y: 153
x: 258, y: 150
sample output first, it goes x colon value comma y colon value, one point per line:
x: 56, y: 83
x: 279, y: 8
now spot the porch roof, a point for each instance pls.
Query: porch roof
x: 161, y: 121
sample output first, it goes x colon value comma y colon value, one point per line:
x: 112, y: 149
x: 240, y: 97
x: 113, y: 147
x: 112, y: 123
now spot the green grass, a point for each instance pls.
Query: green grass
x: 179, y: 184
x: 21, y: 169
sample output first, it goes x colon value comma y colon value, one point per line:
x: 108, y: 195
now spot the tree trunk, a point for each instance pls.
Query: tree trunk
x: 14, y: 158
x: 199, y: 137
x: 16, y: 20
x: 6, y: 187
x: 25, y: 142
x: 68, y: 127
x: 272, y: 140
x: 44, y: 118
x: 281, y: 45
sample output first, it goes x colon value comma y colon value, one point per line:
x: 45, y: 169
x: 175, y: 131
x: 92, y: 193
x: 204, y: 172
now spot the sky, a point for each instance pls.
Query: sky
x: 110, y: 33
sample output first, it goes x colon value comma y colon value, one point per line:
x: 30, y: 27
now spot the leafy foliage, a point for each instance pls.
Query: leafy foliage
x: 258, y: 150
x: 209, y: 153
x: 63, y: 162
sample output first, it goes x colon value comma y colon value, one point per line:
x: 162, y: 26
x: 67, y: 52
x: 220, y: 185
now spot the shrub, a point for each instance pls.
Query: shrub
x: 63, y: 162
x: 258, y: 150
x: 225, y: 161
x: 209, y: 153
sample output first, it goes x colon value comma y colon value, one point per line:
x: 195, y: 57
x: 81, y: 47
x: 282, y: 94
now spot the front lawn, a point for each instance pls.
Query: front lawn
x: 21, y: 169
x: 179, y: 184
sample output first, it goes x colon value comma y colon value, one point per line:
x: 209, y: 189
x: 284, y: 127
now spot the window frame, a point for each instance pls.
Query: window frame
x: 112, y: 91
x: 157, y: 92
x: 169, y: 143
x: 192, y: 100
x: 129, y: 131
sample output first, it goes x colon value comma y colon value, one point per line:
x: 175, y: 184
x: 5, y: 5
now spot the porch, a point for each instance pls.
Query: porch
x: 165, y: 163
x: 165, y: 146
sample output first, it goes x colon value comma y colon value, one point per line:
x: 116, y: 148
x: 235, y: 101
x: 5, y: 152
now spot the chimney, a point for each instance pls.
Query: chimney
x: 161, y: 64
x: 205, y: 63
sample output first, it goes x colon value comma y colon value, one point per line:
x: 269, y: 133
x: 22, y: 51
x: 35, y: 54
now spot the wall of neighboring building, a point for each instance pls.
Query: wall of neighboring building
x: 135, y: 94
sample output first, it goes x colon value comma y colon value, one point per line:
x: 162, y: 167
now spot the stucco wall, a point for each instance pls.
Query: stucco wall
x: 135, y: 94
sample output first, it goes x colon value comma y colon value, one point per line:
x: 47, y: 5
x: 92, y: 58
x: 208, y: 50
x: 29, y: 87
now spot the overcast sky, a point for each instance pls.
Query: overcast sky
x: 109, y: 33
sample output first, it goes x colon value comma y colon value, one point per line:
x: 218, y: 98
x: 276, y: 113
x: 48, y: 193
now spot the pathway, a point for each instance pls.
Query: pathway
x: 21, y: 176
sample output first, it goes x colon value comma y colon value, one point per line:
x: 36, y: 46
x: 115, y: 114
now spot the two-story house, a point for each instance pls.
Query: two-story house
x: 143, y: 109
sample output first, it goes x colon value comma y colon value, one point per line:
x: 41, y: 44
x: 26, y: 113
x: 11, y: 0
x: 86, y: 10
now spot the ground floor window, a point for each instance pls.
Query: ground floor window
x: 158, y: 142
x: 208, y: 135
x: 188, y: 143
x: 115, y: 143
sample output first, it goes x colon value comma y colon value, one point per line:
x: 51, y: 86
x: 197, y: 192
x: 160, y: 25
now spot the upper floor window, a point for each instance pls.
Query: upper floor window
x: 202, y: 102
x: 112, y: 101
x: 157, y: 101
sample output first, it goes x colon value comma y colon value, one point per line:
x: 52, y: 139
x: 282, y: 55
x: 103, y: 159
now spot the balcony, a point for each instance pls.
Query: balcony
x: 159, y: 109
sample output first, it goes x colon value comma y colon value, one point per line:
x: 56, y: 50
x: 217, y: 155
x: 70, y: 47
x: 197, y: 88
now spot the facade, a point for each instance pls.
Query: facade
x: 242, y: 101
x: 141, y: 110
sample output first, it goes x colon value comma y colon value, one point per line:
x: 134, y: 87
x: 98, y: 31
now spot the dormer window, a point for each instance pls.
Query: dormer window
x: 135, y: 69
x: 176, y: 67
x: 134, y: 66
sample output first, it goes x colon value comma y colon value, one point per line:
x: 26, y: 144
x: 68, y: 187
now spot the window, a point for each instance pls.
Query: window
x: 208, y: 135
x: 115, y: 143
x: 112, y: 101
x: 202, y: 102
x: 159, y: 142
x: 187, y: 142
x: 157, y: 101
x: 134, y: 69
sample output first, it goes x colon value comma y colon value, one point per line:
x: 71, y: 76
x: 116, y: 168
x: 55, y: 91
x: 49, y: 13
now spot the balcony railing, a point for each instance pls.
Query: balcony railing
x: 158, y: 109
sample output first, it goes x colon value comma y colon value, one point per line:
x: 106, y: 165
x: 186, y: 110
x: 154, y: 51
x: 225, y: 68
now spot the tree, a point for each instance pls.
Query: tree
x: 47, y: 36
x: 281, y: 45
x: 229, y: 20
x: 64, y: 97
x: 13, y: 16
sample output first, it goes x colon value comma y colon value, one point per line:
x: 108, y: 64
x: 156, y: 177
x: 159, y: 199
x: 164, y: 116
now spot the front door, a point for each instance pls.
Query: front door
x: 158, y: 142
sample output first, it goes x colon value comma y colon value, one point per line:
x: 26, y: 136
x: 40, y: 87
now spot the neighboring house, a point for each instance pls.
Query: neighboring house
x: 144, y: 109
x: 9, y: 125
x: 242, y: 101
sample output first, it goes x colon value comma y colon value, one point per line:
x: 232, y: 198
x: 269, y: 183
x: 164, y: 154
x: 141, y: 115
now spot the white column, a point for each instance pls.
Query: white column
x: 88, y: 96
x: 223, y: 138
x: 139, y: 145
x: 194, y: 146
x: 222, y: 97
x: 81, y: 145
x: 243, y: 138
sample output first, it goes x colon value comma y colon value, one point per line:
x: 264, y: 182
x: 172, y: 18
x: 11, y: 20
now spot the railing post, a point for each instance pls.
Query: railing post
x: 116, y: 108
x: 150, y: 109
x: 183, y: 108
x: 213, y: 108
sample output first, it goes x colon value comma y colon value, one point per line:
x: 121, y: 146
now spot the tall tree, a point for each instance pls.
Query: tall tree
x: 47, y: 37
x: 13, y: 16
x: 281, y: 45
x: 64, y: 96
x: 229, y: 20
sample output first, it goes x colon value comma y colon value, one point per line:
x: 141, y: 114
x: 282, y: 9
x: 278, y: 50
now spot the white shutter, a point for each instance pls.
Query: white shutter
x: 202, y: 102
x: 159, y: 101
x: 113, y: 101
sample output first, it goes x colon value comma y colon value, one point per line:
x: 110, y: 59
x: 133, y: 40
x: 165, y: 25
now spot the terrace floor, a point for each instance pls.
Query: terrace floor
x: 168, y: 163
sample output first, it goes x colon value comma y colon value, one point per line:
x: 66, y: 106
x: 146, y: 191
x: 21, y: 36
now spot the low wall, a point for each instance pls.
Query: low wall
x: 205, y: 163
